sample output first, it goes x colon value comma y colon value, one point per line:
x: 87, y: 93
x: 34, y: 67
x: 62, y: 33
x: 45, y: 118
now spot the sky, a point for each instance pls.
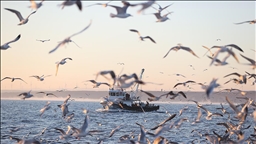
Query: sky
x: 108, y: 41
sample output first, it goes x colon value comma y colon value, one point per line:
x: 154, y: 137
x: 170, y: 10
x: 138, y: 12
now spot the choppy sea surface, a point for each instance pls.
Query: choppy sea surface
x: 25, y: 114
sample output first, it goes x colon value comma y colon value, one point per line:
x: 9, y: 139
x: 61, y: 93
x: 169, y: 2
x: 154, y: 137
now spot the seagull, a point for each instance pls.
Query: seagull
x: 178, y: 47
x: 144, y: 5
x: 223, y: 110
x: 175, y: 95
x: 47, y: 94
x: 102, y: 4
x: 63, y: 133
x: 26, y: 95
x: 231, y: 89
x: 162, y: 18
x: 241, y: 77
x: 41, y: 78
x: 179, y: 75
x: 25, y: 141
x: 13, y: 79
x: 72, y: 2
x: 210, y: 114
x: 251, y: 75
x: 103, y: 73
x: 220, y: 63
x: 115, y: 130
x: 46, y: 107
x: 226, y: 49
x: 120, y: 63
x: 142, y: 38
x: 235, y: 81
x: 218, y: 40
x: 64, y: 109
x: 154, y: 98
x: 121, y: 11
x: 67, y: 40
x: 160, y: 8
x: 43, y: 40
x: 192, y: 67
x: 62, y: 62
x: 97, y: 84
x: 181, y: 110
x: 35, y: 5
x: 6, y: 45
x: 253, y: 63
x: 22, y: 20
x: 250, y: 22
x: 213, y: 84
x: 184, y: 83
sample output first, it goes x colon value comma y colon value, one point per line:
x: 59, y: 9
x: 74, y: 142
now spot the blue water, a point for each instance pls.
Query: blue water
x: 26, y: 112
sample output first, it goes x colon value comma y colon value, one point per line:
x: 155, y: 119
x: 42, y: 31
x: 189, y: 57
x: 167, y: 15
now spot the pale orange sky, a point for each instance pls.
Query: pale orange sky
x: 109, y: 41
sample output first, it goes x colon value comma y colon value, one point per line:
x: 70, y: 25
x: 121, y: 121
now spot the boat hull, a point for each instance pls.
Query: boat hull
x: 138, y: 108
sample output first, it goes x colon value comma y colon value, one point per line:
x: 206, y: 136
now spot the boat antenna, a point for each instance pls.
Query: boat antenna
x: 137, y: 86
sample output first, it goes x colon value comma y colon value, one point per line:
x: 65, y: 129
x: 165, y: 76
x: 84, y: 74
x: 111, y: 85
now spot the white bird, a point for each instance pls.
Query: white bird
x: 241, y: 77
x: 6, y: 45
x: 153, y: 97
x: 97, y: 84
x: 114, y: 130
x: 162, y: 18
x: 178, y: 47
x: 26, y: 95
x: 102, y: 4
x: 226, y: 49
x: 72, y: 2
x: 121, y: 11
x: 62, y: 62
x: 142, y: 38
x: 64, y: 134
x: 35, y: 5
x: 22, y: 20
x: 144, y: 5
x: 13, y: 79
x: 250, y: 22
x: 43, y: 40
x: 46, y: 107
x: 40, y: 78
x: 67, y: 40
x: 213, y: 84
x: 221, y: 63
x: 25, y: 141
x: 47, y: 94
x: 179, y: 75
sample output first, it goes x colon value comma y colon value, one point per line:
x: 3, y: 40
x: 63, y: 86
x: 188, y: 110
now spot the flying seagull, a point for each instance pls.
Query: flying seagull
x: 178, y: 47
x: 213, y: 84
x: 184, y: 83
x: 62, y: 62
x: 26, y: 95
x: 66, y: 40
x: 102, y: 4
x: 43, y: 40
x: 144, y: 5
x: 47, y: 94
x: 35, y: 5
x: 72, y: 2
x: 241, y: 77
x: 6, y: 45
x: 142, y: 38
x: 22, y: 20
x: 121, y: 11
x: 162, y: 18
x: 250, y: 22
x: 97, y: 84
x: 13, y: 79
x: 40, y: 78
x: 220, y: 63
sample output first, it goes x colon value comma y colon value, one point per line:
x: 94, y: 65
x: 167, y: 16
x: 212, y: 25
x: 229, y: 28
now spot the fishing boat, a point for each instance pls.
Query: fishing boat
x: 118, y: 98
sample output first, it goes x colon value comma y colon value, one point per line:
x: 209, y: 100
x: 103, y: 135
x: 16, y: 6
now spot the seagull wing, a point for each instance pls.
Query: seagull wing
x: 57, y: 67
x: 167, y: 14
x: 82, y: 29
x: 150, y: 39
x: 235, y: 46
x: 76, y: 44
x: 250, y: 60
x: 158, y: 15
x: 133, y: 30
x: 79, y: 4
x: 217, y: 60
x: 66, y: 59
x: 189, y: 50
x: 61, y: 131
x: 242, y: 22
x: 119, y: 10
x: 232, y: 74
x: 16, y: 12
x: 31, y: 14
x: 170, y: 50
x: 182, y: 93
x: 232, y: 105
x: 93, y: 81
x: 167, y: 6
x: 20, y: 79
x: 149, y: 94
x: 177, y: 84
x: 6, y: 78
x: 60, y: 44
x: 16, y: 39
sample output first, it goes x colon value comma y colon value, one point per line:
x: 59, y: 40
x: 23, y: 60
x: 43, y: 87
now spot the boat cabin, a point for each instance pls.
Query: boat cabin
x: 119, y: 93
